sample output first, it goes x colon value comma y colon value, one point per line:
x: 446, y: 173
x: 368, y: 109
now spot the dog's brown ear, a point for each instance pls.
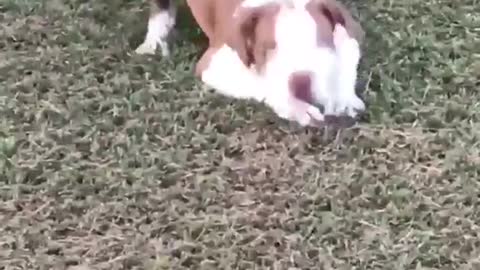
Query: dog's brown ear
x: 333, y: 12
x: 242, y: 37
x: 340, y: 12
x: 252, y: 33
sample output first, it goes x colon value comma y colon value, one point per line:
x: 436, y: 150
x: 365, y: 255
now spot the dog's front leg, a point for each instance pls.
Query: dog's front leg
x: 344, y: 99
x: 160, y: 23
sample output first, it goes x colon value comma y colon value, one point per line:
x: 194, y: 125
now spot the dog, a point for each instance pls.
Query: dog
x: 293, y: 55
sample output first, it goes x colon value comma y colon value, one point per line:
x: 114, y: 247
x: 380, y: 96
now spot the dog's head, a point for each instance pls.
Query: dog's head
x: 292, y: 43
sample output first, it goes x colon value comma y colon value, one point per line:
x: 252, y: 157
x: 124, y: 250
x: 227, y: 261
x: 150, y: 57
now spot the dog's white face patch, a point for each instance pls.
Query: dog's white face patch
x: 333, y: 70
x: 230, y: 77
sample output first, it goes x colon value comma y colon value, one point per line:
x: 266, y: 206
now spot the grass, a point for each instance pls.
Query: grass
x: 110, y: 160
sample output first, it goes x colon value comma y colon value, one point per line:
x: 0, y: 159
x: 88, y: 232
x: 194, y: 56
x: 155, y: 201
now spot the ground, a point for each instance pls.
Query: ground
x: 111, y: 160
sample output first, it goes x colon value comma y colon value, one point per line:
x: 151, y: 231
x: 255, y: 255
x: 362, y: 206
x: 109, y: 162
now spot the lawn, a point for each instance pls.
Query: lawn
x: 111, y: 160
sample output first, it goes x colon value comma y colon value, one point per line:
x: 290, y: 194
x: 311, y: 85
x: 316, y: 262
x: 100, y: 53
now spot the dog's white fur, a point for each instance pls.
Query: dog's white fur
x: 334, y: 71
x: 159, y: 27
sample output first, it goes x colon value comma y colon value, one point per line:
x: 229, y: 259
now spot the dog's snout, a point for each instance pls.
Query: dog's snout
x: 300, y: 84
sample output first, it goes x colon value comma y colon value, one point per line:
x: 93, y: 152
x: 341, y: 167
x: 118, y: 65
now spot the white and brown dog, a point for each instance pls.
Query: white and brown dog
x: 291, y: 54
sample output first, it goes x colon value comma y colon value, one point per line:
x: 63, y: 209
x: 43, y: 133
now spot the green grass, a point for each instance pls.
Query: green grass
x: 110, y: 160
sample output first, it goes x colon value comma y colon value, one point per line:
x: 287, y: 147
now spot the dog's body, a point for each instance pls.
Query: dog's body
x: 291, y: 54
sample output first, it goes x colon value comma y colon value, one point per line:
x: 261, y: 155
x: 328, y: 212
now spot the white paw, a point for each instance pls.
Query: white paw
x: 350, y: 105
x: 159, y: 27
x: 311, y: 116
x: 150, y: 47
x: 146, y: 48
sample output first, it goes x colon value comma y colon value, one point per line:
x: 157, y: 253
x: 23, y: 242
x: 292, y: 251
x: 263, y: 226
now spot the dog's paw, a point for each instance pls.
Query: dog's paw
x: 146, y: 48
x: 309, y: 116
x: 350, y: 105
x: 150, y: 47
